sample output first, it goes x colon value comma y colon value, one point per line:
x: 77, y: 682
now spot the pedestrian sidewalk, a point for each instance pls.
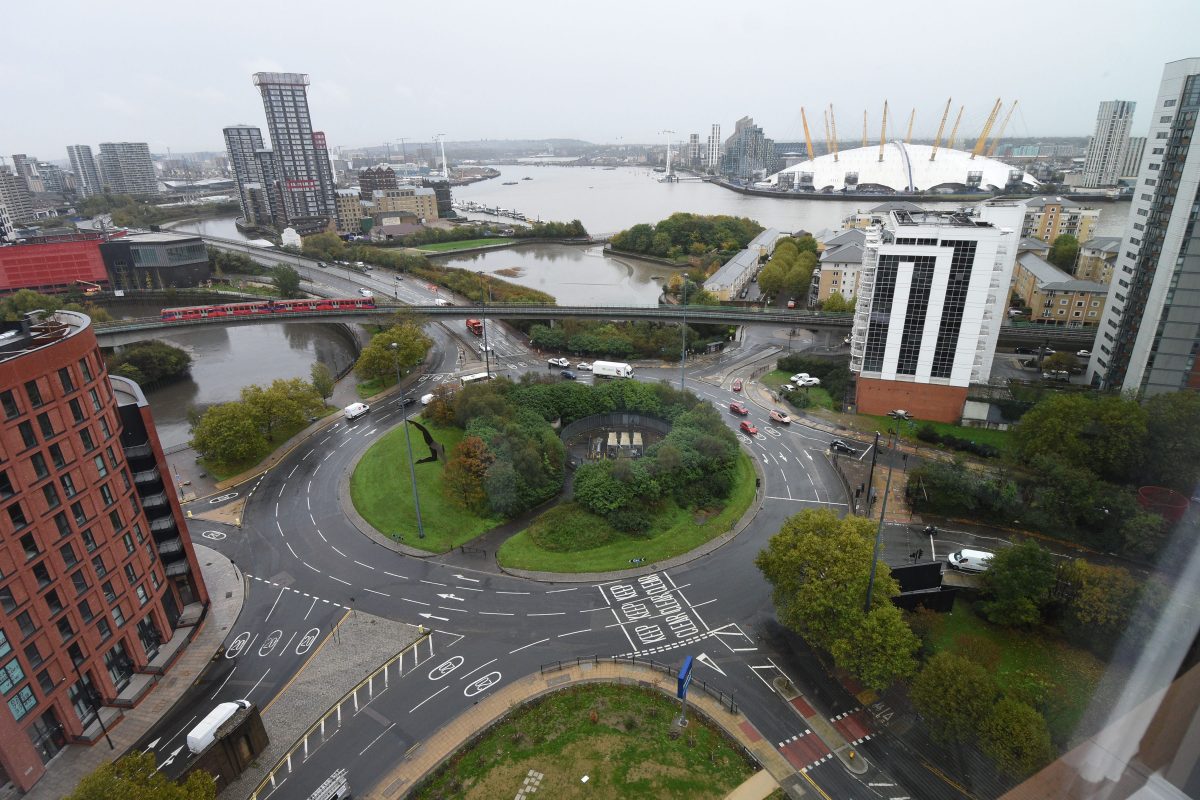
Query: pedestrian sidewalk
x: 757, y: 787
x: 427, y: 756
x: 226, y: 589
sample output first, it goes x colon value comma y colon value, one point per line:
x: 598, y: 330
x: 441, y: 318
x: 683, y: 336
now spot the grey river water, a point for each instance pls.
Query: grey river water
x: 604, y: 200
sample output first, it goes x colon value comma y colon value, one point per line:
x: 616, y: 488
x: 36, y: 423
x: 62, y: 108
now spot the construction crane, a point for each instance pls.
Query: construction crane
x: 833, y: 132
x: 911, y: 117
x: 954, y: 130
x: 941, y: 127
x: 987, y: 128
x: 1000, y: 130
x: 828, y: 141
x: 864, y: 144
x: 883, y: 132
x: 807, y: 137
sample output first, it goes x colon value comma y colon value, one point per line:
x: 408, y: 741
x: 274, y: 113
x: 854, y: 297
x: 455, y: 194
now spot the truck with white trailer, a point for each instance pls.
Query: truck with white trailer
x: 611, y: 369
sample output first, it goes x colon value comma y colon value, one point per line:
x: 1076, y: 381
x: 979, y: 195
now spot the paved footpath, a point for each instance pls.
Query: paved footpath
x: 226, y: 588
x: 457, y: 733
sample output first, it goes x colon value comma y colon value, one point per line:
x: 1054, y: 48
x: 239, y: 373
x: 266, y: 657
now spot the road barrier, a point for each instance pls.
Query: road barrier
x: 726, y: 700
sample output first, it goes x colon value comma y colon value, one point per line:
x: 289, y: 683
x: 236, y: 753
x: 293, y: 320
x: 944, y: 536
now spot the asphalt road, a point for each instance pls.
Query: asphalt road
x: 306, y: 565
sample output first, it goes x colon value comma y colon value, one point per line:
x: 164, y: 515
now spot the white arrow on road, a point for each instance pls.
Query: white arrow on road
x: 154, y: 744
x: 451, y: 597
x: 704, y: 659
x: 431, y: 616
x: 464, y: 578
x: 171, y: 758
x: 781, y: 455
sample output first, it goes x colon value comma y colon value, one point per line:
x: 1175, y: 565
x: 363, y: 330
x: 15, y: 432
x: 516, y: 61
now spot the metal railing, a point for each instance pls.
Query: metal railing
x: 726, y: 700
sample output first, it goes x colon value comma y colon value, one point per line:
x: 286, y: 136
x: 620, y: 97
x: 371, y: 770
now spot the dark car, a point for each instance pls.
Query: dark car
x: 566, y: 373
x: 838, y: 446
x: 407, y: 401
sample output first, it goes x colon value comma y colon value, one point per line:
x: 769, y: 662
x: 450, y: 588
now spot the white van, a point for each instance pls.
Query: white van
x: 366, y: 292
x: 205, y: 733
x: 969, y: 560
x: 427, y: 399
x: 355, y: 410
x: 441, y: 302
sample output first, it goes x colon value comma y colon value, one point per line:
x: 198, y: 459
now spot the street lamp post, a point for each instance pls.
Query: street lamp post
x: 683, y: 342
x: 879, y: 531
x: 484, y: 290
x: 871, y: 474
x: 412, y: 469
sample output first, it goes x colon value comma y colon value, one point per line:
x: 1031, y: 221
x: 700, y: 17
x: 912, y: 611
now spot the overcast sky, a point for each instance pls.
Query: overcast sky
x: 175, y: 73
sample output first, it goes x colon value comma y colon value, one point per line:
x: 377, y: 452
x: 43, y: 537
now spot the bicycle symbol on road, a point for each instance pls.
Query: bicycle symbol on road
x: 445, y: 668
x: 216, y: 536
x: 223, y: 497
x: 482, y: 684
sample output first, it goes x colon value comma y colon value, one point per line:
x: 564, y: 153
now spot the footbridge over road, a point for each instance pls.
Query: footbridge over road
x: 124, y: 331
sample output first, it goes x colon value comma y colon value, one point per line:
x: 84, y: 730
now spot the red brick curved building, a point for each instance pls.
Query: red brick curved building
x: 98, y: 579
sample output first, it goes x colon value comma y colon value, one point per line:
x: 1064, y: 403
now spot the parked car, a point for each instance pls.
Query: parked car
x: 322, y: 265
x: 838, y: 446
x: 747, y: 428
x: 899, y: 413
x: 800, y: 377
x: 566, y: 373
x: 399, y: 277
x: 739, y: 408
x: 584, y: 365
x: 737, y: 385
x: 780, y: 417
x: 1084, y: 354
x: 811, y: 382
x: 788, y: 387
x: 558, y: 362
x: 792, y: 303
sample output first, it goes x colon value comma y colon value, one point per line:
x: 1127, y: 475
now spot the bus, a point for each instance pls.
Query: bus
x: 475, y: 327
x: 475, y: 378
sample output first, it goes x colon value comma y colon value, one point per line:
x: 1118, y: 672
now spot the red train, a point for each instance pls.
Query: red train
x: 260, y: 307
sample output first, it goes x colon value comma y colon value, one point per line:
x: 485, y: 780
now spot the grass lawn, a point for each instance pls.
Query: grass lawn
x: 816, y: 394
x: 1062, y: 677
x: 616, y: 735
x: 222, y: 471
x: 544, y: 545
x: 442, y: 247
x: 908, y: 431
x: 248, y: 288
x: 382, y: 492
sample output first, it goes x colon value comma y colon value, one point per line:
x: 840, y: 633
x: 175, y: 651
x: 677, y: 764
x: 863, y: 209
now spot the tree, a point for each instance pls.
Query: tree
x: 136, y: 777
x: 1063, y: 252
x: 322, y: 379
x: 283, y: 404
x: 1104, y: 434
x: 1172, y: 448
x: 818, y: 566
x: 1068, y: 362
x: 1017, y: 584
x: 462, y: 480
x: 379, y: 360
x: 324, y: 246
x: 441, y: 408
x: 287, y: 280
x: 881, y: 650
x: 837, y: 303
x: 954, y: 695
x: 1100, y: 601
x: 228, y: 433
x: 1016, y: 737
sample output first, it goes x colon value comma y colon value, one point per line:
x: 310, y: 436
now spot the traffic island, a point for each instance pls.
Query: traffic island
x: 846, y: 753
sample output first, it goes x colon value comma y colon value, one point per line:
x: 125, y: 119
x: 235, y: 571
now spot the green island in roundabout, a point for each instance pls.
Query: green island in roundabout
x: 592, y: 478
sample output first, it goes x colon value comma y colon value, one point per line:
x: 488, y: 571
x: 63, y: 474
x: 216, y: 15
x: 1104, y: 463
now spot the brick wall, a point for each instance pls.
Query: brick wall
x: 922, y: 400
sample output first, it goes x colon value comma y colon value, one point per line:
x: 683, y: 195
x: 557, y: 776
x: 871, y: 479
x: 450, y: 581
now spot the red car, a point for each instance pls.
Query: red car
x: 739, y: 408
x: 737, y: 385
x: 747, y: 428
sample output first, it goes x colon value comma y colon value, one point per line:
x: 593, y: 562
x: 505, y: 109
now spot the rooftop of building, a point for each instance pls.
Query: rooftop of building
x: 347, y: 192
x: 1042, y: 270
x: 126, y: 391
x: 956, y: 219
x: 1106, y: 244
x: 851, y: 253
x: 160, y: 237
x: 744, y: 260
x: 1076, y: 285
x: 895, y: 205
x: 848, y: 236
x: 1029, y: 243
x: 1051, y: 200
x: 32, y: 334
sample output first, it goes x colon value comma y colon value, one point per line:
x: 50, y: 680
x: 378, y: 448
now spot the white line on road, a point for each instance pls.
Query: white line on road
x: 572, y: 633
x: 222, y: 686
x: 554, y: 591
x: 323, y: 539
x: 394, y: 575
x: 281, y: 591
x: 281, y: 488
x: 310, y: 566
x: 498, y: 613
x: 293, y: 472
x: 432, y: 583
x: 185, y: 729
x: 451, y: 608
x: 289, y: 544
x: 418, y: 602
x: 372, y: 591
x: 361, y: 564
x: 531, y: 644
x: 310, y: 608
x: 377, y: 738
x: 339, y: 580
x: 255, y: 686
x: 472, y: 672
x: 288, y: 645
x: 339, y: 552
x: 427, y: 699
x: 501, y: 592
x: 706, y: 602
x: 548, y: 614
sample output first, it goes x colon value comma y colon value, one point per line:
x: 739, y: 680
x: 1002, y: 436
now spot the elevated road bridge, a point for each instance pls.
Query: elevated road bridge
x: 124, y: 331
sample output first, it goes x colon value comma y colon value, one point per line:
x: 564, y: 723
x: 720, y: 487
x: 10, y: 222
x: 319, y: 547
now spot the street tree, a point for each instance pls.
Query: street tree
x: 1063, y: 252
x: 282, y: 405
x: 837, y: 303
x: 322, y: 379
x: 462, y: 480
x: 379, y: 360
x: 1104, y: 434
x: 954, y: 695
x: 1068, y: 362
x: 881, y: 650
x: 136, y: 777
x: 325, y: 246
x: 1015, y: 736
x: 286, y: 280
x: 771, y: 279
x: 1173, y: 440
x: 228, y: 433
x: 1100, y: 601
x: 818, y: 567
x: 1017, y: 585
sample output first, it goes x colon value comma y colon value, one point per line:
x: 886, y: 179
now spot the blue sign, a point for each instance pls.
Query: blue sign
x: 685, y: 678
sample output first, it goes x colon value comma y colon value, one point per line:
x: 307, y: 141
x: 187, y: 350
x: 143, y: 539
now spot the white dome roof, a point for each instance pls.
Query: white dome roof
x: 905, y: 167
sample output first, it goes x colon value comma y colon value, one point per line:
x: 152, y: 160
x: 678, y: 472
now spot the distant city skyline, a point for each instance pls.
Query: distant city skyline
x: 487, y: 72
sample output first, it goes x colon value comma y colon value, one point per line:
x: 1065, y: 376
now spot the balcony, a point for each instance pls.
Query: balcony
x: 147, y: 477
x: 155, y: 501
x: 163, y: 525
x: 139, y: 451
x: 170, y: 546
x: 180, y: 567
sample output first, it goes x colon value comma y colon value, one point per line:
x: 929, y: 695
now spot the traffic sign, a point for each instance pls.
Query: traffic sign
x: 685, y: 678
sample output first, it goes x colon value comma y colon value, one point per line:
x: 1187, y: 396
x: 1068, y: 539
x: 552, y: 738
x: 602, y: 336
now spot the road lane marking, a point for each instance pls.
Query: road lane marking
x: 394, y: 575
x: 273, y: 605
x: 289, y: 545
x: 255, y: 686
x: 418, y: 602
x: 451, y: 608
x: 472, y: 672
x: 572, y: 633
x: 361, y: 564
x: 222, y: 686
x: 554, y: 591
x: 293, y: 472
x: 427, y: 699
x: 339, y: 580
x: 498, y: 613
x: 531, y: 644
x: 377, y: 738
x: 310, y: 566
x: 339, y: 552
x: 288, y: 645
x: 548, y: 614
x: 372, y: 591
x: 432, y: 583
x: 502, y: 592
x: 310, y: 608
